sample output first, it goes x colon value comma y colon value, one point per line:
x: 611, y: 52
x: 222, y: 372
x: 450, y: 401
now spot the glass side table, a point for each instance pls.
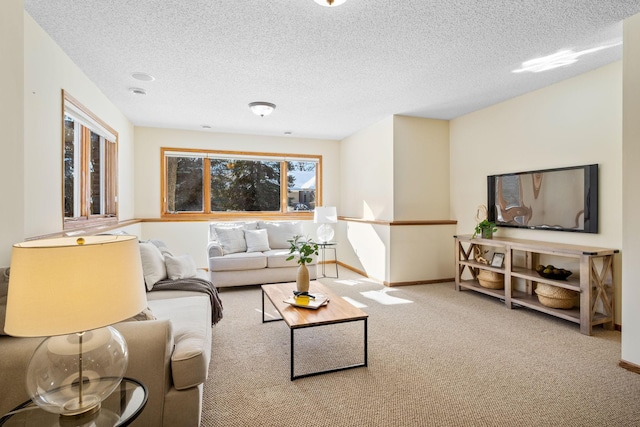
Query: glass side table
x: 119, y: 409
x: 328, y: 246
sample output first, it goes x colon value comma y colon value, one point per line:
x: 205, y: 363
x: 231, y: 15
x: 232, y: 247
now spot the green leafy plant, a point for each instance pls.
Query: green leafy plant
x: 485, y: 224
x: 303, y: 248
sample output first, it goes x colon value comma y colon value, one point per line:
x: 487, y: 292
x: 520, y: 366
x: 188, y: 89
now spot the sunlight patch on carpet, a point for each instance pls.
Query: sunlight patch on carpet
x: 383, y: 298
x: 348, y: 282
x: 354, y: 302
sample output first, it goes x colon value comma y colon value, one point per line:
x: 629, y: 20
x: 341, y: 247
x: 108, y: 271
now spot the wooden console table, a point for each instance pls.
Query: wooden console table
x: 594, y: 281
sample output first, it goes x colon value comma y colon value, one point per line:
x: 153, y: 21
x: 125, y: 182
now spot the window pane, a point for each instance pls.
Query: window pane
x: 301, y: 181
x: 95, y: 174
x: 245, y: 185
x: 69, y: 168
x: 184, y: 184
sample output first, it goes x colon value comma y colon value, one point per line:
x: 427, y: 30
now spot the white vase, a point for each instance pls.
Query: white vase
x: 302, y: 279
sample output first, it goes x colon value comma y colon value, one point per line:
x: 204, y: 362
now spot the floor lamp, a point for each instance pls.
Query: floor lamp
x: 70, y: 290
x: 325, y: 215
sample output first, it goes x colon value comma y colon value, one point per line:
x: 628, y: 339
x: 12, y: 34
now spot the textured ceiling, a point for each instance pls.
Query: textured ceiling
x: 330, y: 71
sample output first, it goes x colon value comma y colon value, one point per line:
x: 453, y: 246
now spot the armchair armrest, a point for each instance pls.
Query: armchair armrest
x: 214, y: 249
x: 150, y: 344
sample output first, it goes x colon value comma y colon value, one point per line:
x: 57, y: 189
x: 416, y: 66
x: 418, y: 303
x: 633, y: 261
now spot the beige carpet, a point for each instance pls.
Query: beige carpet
x: 437, y: 357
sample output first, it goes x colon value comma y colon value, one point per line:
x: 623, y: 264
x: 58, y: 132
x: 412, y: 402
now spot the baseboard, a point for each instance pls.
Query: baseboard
x: 394, y: 284
x: 419, y: 282
x: 355, y: 270
x: 629, y: 366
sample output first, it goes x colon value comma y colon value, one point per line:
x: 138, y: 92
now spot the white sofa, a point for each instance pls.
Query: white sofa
x: 253, y: 253
x: 169, y: 354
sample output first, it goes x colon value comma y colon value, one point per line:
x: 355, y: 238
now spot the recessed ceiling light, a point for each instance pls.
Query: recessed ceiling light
x: 143, y: 76
x: 330, y: 3
x: 559, y: 59
x: 137, y: 91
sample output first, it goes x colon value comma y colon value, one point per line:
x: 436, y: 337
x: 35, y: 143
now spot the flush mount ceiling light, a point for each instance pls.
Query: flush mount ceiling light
x: 143, y: 77
x: 262, y: 108
x: 137, y: 91
x: 559, y: 59
x: 330, y: 3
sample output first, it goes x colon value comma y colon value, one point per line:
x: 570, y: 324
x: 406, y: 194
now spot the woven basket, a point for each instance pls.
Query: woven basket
x: 491, y: 279
x: 555, y: 297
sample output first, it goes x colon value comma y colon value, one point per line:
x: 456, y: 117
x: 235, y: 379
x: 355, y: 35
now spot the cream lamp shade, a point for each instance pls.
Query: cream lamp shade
x: 67, y: 285
x: 70, y: 290
x: 325, y: 215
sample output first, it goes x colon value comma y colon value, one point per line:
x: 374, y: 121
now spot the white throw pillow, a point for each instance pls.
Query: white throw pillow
x: 257, y: 240
x: 180, y: 267
x: 281, y: 231
x: 153, y: 267
x: 245, y: 225
x: 231, y: 240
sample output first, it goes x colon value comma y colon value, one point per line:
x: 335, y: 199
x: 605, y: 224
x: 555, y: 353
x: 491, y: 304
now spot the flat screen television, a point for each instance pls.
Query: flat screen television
x: 562, y: 199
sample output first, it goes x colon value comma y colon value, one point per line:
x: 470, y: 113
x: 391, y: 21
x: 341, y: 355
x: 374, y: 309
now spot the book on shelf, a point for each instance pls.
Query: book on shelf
x: 315, y: 302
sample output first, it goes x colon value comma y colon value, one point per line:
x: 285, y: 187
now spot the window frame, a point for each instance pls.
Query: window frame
x: 207, y: 154
x: 88, y: 123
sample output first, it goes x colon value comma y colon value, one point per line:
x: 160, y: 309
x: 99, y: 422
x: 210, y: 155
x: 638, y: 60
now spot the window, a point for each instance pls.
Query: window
x: 90, y: 172
x: 219, y: 183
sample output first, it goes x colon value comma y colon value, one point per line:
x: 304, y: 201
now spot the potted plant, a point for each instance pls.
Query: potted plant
x: 303, y: 248
x: 485, y: 229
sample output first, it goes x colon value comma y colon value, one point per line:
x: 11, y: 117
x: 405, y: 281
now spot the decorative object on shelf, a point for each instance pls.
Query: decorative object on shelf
x: 551, y: 272
x: 484, y: 227
x: 262, y: 108
x: 303, y: 249
x: 556, y: 297
x: 330, y: 3
x: 76, y: 287
x: 497, y: 260
x: 486, y: 278
x: 491, y: 279
x: 325, y: 215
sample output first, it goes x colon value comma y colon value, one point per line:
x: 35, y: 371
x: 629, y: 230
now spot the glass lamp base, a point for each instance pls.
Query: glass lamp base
x: 72, y: 374
x: 325, y: 233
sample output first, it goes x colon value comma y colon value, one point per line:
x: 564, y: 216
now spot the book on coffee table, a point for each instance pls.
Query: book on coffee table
x: 307, y: 302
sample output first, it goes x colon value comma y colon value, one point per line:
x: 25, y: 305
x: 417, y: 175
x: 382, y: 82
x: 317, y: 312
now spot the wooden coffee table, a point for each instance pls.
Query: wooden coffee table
x: 336, y: 311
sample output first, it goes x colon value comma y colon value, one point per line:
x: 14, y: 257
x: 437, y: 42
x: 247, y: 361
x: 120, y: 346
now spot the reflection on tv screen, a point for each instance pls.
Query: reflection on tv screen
x: 555, y: 199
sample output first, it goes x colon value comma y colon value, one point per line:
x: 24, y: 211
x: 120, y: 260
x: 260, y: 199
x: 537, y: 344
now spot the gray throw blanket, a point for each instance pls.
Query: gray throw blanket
x: 196, y: 285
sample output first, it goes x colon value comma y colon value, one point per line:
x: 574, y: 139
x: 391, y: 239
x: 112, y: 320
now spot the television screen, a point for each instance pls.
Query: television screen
x: 563, y: 199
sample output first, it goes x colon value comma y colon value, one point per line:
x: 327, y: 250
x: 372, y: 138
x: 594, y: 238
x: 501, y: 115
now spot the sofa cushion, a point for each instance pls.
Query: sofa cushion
x: 4, y: 281
x: 238, y: 261
x: 280, y: 232
x: 257, y: 240
x: 180, y: 267
x: 191, y: 325
x: 277, y: 258
x: 231, y: 240
x: 153, y: 267
x: 3, y: 313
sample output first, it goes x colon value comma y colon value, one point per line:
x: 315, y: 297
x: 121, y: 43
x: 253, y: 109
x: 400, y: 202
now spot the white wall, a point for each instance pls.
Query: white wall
x: 48, y: 70
x: 631, y: 202
x: 574, y: 122
x: 397, y: 170
x: 366, y: 190
x: 420, y: 168
x: 11, y: 123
